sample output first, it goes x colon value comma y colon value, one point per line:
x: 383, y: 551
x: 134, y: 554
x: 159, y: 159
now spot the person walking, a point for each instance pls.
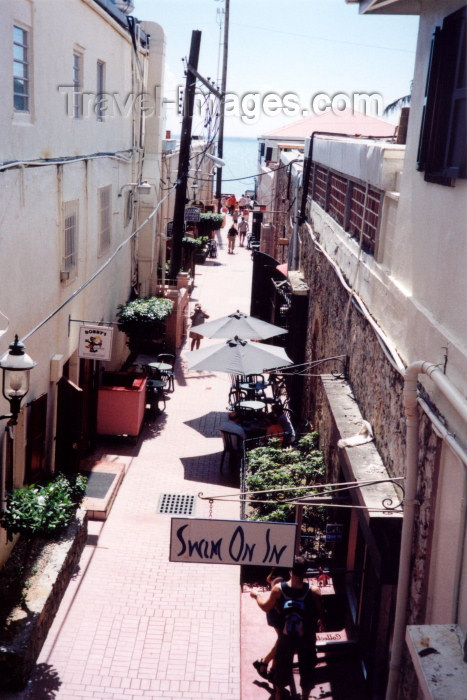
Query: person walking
x: 197, y: 318
x: 242, y: 230
x: 273, y: 618
x: 301, y: 617
x: 231, y: 235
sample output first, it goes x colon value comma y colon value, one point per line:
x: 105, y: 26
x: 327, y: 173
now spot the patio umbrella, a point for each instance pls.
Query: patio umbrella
x: 239, y: 325
x: 237, y: 356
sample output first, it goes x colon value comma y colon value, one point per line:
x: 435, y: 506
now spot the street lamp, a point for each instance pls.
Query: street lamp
x: 16, y: 366
x: 142, y: 187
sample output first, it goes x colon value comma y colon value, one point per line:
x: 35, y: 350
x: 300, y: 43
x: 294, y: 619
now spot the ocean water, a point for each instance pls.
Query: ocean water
x: 241, y: 161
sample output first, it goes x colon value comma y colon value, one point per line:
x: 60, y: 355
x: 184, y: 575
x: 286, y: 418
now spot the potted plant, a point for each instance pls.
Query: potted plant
x: 143, y: 320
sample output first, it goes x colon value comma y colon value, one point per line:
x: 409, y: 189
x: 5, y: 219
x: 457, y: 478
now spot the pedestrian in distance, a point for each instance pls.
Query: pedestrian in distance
x: 284, y: 421
x: 231, y: 203
x: 301, y: 618
x: 242, y: 230
x: 231, y: 236
x: 197, y: 318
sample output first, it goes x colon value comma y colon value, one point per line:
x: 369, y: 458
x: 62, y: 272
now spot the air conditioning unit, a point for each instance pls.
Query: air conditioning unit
x: 64, y: 275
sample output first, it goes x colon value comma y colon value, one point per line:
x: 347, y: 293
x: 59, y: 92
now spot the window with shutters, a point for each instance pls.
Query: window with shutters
x: 105, y: 217
x: 100, y: 95
x: 77, y: 90
x: 442, y: 146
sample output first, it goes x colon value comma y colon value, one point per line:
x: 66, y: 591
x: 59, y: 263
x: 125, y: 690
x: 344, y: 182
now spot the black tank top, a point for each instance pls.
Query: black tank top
x: 311, y: 617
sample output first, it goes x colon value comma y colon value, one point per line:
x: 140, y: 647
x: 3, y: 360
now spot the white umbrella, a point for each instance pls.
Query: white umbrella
x: 239, y: 325
x: 237, y: 356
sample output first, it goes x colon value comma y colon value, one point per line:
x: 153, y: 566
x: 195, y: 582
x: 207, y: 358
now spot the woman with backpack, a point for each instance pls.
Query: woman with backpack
x: 301, y: 617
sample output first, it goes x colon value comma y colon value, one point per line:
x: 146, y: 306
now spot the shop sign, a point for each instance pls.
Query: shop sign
x: 192, y: 214
x: 334, y: 532
x: 198, y: 203
x: 95, y: 342
x: 208, y: 541
x: 169, y: 229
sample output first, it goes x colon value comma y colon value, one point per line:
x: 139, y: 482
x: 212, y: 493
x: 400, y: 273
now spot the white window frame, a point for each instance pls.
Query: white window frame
x: 105, y: 217
x: 21, y: 57
x: 77, y: 70
x: 70, y: 238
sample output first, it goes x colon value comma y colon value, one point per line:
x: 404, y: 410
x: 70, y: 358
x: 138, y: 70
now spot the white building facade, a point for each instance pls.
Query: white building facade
x: 80, y: 127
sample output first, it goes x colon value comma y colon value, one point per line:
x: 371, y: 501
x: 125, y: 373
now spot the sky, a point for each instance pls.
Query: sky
x: 286, y: 60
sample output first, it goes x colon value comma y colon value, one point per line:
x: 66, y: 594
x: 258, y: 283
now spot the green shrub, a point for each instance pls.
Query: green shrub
x: 42, y: 511
x: 281, y: 474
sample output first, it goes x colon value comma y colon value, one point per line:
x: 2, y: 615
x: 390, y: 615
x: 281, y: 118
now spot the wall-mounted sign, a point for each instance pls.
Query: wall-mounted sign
x: 198, y: 203
x: 95, y: 342
x: 192, y: 214
x: 232, y: 542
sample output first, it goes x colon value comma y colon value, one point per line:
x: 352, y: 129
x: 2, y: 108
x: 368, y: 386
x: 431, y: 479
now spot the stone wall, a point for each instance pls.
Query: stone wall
x: 336, y: 327
x: 23, y: 636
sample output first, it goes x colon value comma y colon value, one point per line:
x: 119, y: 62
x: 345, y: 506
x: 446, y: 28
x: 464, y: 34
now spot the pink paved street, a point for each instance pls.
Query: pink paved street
x: 132, y: 624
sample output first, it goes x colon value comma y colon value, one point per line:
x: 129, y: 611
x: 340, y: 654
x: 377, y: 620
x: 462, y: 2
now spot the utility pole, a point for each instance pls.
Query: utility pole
x: 184, y: 157
x: 220, y: 138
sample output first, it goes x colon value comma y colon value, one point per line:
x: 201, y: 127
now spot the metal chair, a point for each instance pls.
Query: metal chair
x: 233, y: 445
x: 169, y: 373
x: 235, y: 396
x: 155, y: 394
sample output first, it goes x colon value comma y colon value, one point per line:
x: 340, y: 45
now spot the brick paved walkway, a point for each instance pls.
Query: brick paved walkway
x: 132, y: 624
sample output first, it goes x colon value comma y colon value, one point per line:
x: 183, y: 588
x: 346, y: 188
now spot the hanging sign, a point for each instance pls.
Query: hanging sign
x: 209, y: 541
x: 192, y: 214
x: 170, y: 228
x: 198, y: 203
x: 95, y: 342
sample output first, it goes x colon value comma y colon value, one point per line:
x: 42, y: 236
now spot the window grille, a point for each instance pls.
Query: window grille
x: 20, y: 70
x: 320, y: 185
x: 70, y: 235
x: 337, y: 196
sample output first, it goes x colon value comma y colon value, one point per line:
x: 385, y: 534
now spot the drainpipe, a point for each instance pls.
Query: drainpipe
x: 459, y: 403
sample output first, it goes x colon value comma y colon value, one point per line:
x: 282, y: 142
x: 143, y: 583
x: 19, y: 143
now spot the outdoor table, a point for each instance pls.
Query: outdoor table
x: 252, y: 405
x: 161, y: 366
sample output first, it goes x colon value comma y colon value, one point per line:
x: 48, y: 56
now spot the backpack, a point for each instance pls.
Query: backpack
x: 293, y: 614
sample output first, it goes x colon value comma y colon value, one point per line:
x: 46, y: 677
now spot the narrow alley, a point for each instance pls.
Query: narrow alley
x: 132, y: 624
